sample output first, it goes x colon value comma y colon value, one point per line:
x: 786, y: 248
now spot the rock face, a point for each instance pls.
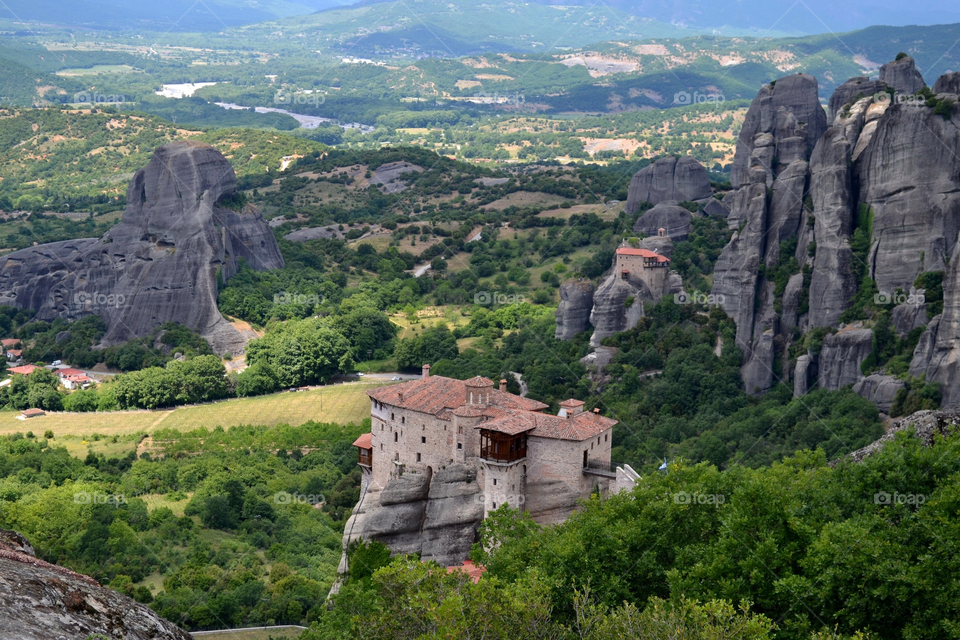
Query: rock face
x: 42, y: 601
x: 925, y: 425
x: 669, y: 179
x: 902, y: 76
x: 611, y: 314
x: 841, y: 357
x: 435, y: 517
x: 881, y: 390
x: 160, y: 264
x: 884, y: 177
x: 785, y: 120
x: 948, y: 83
x: 672, y: 218
x: 851, y: 91
x: 573, y: 313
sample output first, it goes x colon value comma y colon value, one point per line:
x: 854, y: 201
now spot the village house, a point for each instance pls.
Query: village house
x: 424, y: 425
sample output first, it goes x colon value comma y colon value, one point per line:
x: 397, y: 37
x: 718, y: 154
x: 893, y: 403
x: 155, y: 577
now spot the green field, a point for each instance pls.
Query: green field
x: 117, y: 432
x: 252, y: 634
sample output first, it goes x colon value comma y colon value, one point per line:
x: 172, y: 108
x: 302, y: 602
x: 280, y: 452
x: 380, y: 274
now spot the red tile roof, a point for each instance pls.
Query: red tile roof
x: 469, y: 568
x: 542, y: 425
x: 9, y: 342
x: 436, y: 394
x: 15, y: 352
x: 643, y: 253
x: 25, y: 370
x: 30, y: 413
x: 63, y: 373
x: 478, y: 381
x: 364, y: 442
x: 572, y: 402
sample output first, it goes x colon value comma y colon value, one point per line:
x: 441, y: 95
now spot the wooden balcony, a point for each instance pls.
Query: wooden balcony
x: 365, y: 458
x: 502, y: 447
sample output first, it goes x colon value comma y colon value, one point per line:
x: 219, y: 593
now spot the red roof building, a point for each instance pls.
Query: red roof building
x: 475, y: 571
x: 25, y: 370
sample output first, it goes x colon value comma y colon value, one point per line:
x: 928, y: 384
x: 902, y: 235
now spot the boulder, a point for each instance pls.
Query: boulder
x: 926, y: 425
x: 947, y: 83
x: 714, y: 207
x: 43, y: 601
x: 787, y: 109
x: 162, y: 263
x: 841, y: 356
x: 573, y: 312
x: 672, y: 218
x: 804, y: 374
x: 668, y: 179
x: 658, y: 244
x: 881, y: 390
x: 902, y: 76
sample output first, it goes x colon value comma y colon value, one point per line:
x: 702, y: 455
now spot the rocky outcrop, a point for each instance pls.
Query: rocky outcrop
x: 841, y: 356
x: 804, y: 374
x: 669, y: 179
x: 910, y: 315
x: 658, y: 244
x: 436, y: 517
x: 42, y: 601
x: 672, y: 218
x: 784, y: 121
x: 714, y: 207
x: 573, y: 312
x: 881, y: 390
x: 902, y: 76
x: 925, y: 425
x: 851, y: 91
x: 618, y: 305
x: 947, y: 83
x: 162, y: 263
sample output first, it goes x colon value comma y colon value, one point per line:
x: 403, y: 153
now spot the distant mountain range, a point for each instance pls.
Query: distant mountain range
x: 546, y: 23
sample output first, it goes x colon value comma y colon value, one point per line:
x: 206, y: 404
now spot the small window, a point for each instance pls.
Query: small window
x: 381, y: 427
x: 605, y: 437
x: 395, y: 434
x: 423, y: 439
x: 494, y: 505
x: 403, y: 420
x: 381, y: 446
x: 494, y: 482
x: 598, y: 439
x: 418, y: 457
x: 459, y: 445
x: 391, y: 416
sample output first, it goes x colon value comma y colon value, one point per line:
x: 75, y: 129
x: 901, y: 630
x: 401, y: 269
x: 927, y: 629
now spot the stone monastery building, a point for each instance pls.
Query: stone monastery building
x: 524, y: 457
x: 647, y: 266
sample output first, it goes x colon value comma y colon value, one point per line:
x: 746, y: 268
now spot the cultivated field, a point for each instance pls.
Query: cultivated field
x: 116, y: 432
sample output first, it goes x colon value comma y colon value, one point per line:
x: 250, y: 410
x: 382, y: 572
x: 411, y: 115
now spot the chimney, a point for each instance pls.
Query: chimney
x: 426, y: 371
x: 596, y: 413
x: 503, y: 385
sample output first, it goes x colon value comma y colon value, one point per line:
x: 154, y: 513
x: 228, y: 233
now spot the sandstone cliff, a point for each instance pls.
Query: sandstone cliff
x: 160, y: 264
x: 42, y: 601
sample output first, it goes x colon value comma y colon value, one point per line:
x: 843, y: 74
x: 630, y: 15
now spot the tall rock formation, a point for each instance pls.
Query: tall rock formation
x: 162, y: 263
x: 669, y: 216
x: 42, y: 601
x: 669, y: 179
x: 885, y: 172
x: 947, y: 83
x: 784, y: 122
x: 573, y: 312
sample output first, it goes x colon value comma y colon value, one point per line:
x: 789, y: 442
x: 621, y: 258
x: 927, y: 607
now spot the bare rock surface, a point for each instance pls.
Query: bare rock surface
x: 160, y: 264
x: 573, y: 312
x: 435, y: 517
x: 879, y: 389
x: 902, y: 76
x: 43, y: 601
x: 841, y: 356
x: 926, y: 425
x: 852, y: 90
x: 669, y: 216
x: 611, y: 312
x: 947, y: 83
x: 669, y: 179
